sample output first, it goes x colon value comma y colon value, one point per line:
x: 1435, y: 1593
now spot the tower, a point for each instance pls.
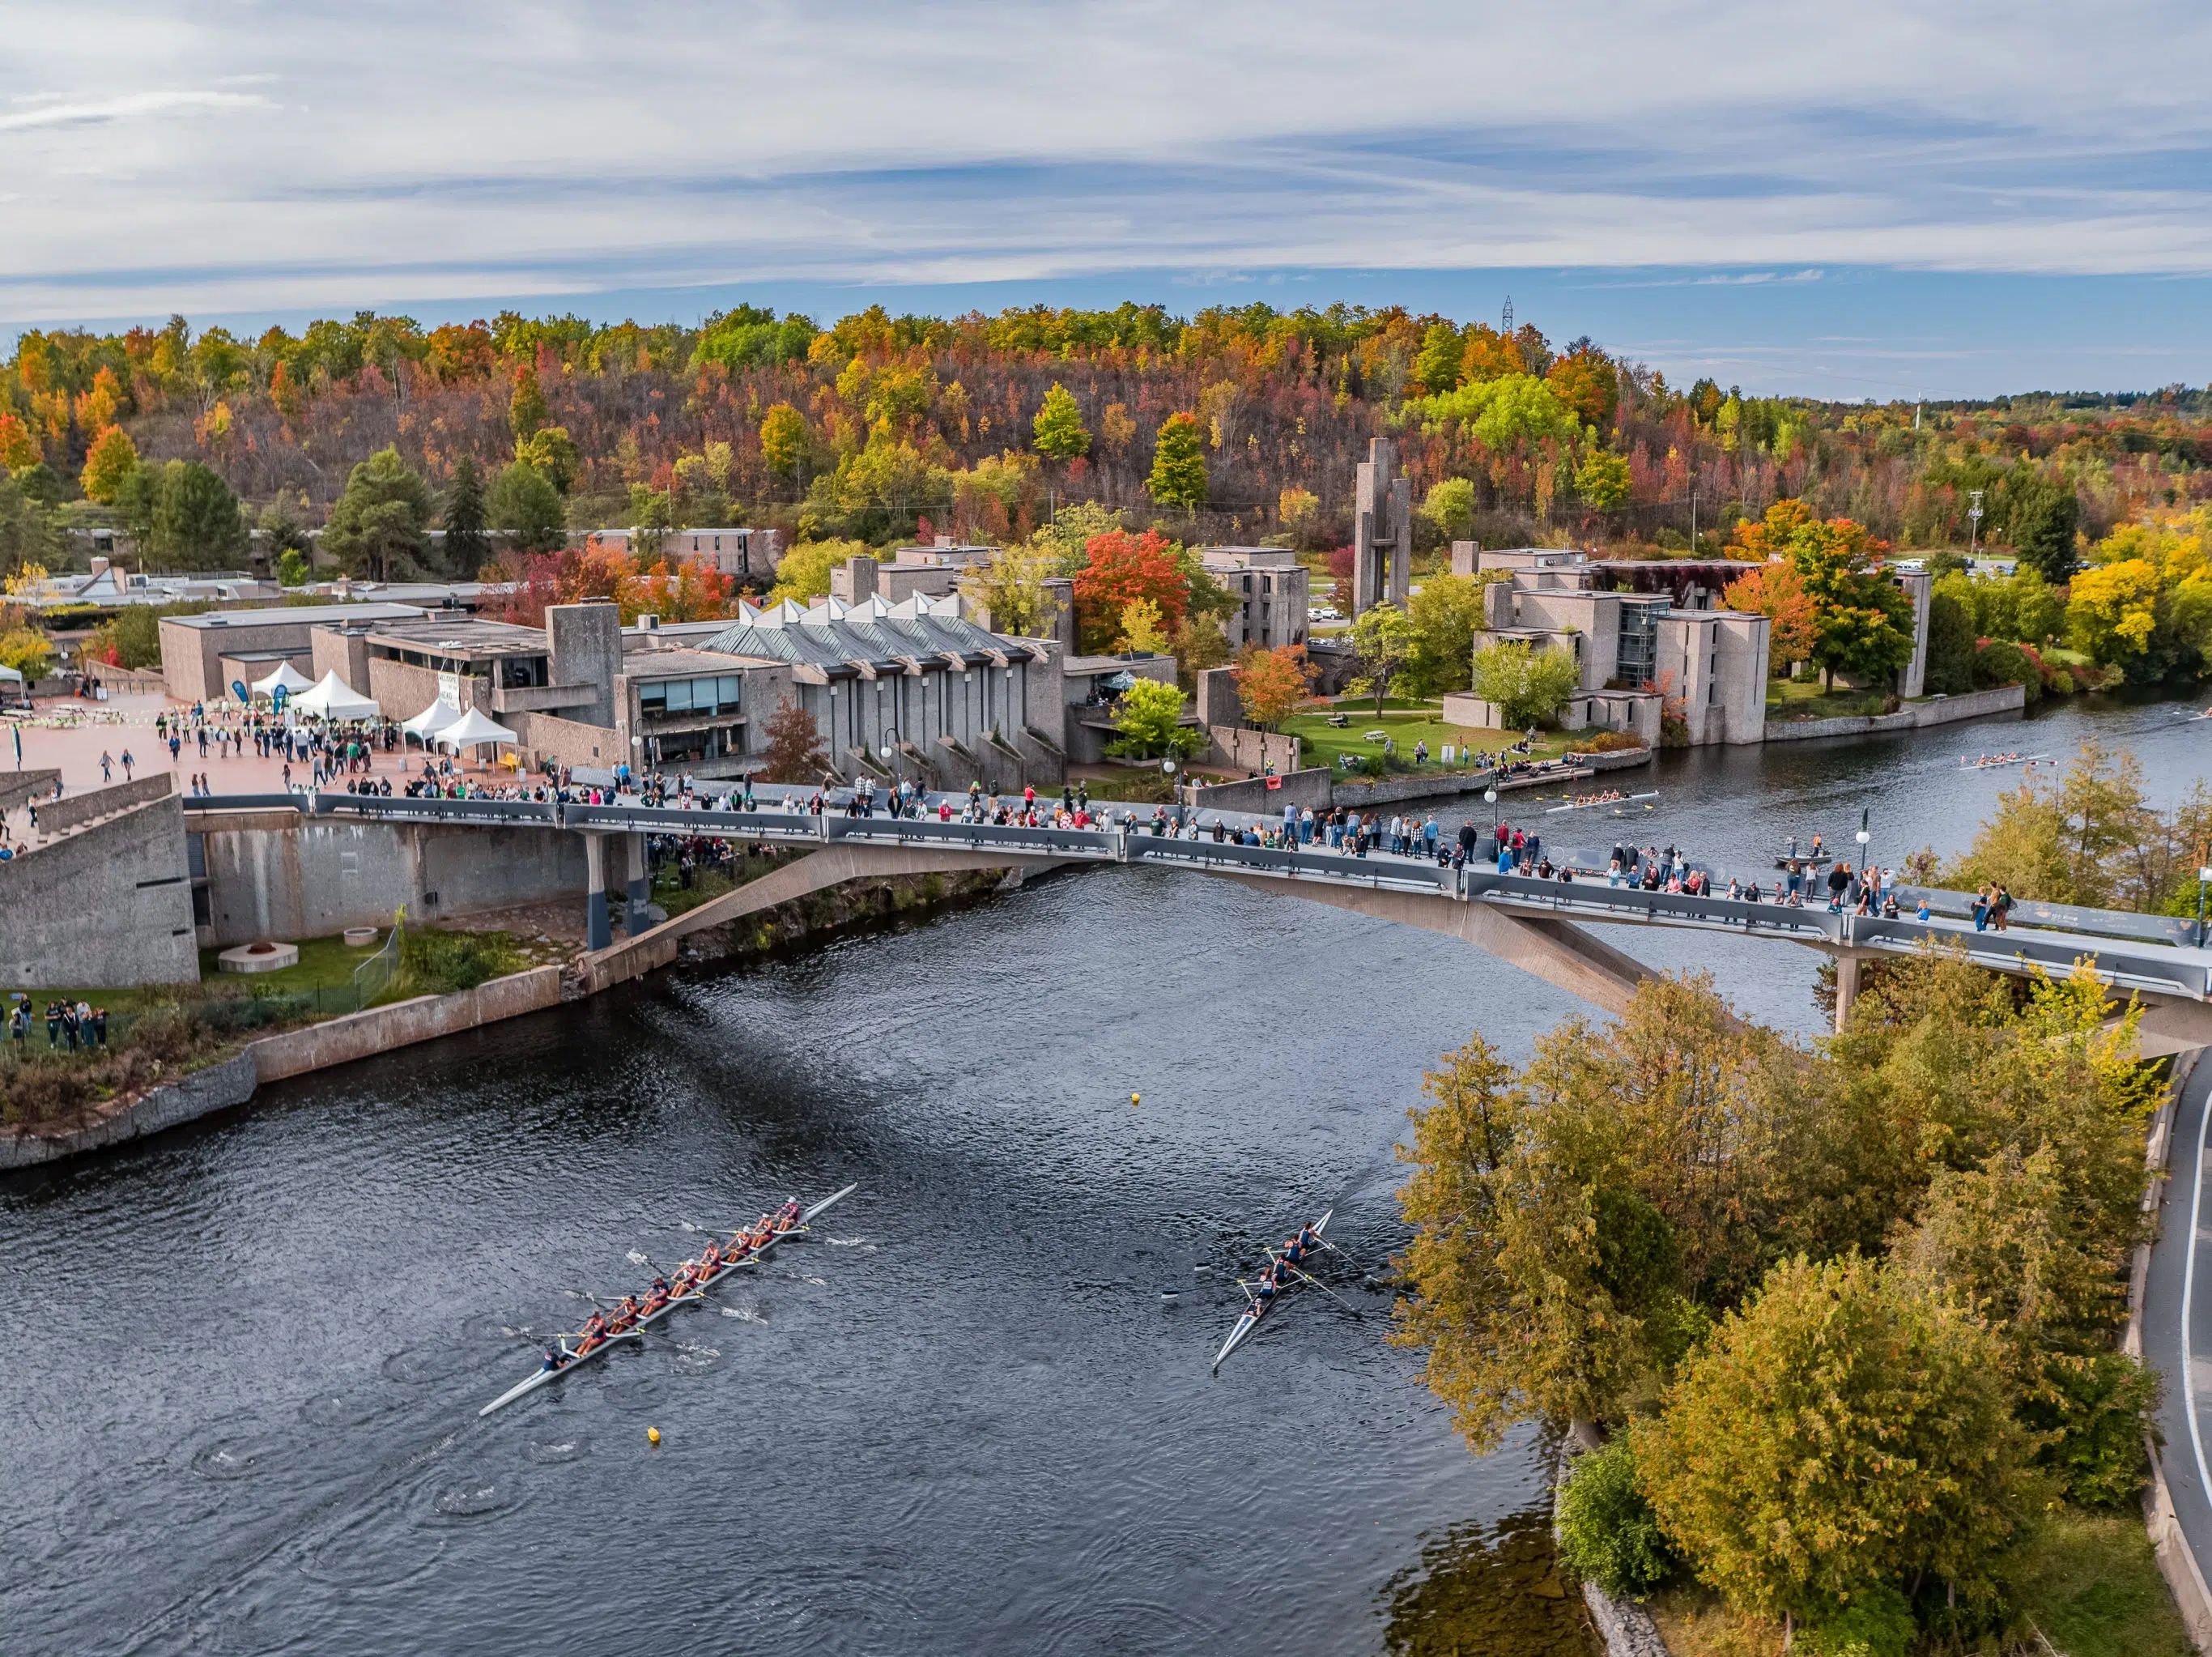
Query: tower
x: 1381, y: 530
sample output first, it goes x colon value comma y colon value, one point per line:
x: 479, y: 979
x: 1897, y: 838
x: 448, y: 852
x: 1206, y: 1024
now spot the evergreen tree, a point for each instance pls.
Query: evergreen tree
x: 1061, y: 433
x: 2044, y: 512
x: 196, y: 523
x: 526, y: 510
x: 467, y: 545
x: 1178, y: 476
x: 379, y: 528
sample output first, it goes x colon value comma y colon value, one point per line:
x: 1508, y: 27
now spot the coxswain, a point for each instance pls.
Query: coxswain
x: 556, y: 1356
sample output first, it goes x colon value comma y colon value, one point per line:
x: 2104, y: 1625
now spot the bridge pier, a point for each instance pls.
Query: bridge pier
x: 1848, y: 963
x: 598, y: 933
x: 640, y: 885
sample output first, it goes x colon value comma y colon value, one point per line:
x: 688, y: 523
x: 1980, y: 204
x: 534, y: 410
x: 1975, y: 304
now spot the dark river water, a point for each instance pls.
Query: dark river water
x: 239, y: 1403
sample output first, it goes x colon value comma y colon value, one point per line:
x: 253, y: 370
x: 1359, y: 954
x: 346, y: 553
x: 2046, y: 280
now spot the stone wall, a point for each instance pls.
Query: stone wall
x: 1302, y: 788
x: 16, y: 786
x: 107, y: 905
x: 218, y: 1088
x: 1914, y: 716
x: 310, y: 877
x: 68, y: 813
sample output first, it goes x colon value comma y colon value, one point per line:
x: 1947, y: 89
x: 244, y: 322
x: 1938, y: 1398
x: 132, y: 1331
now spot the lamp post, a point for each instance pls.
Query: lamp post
x: 889, y: 752
x: 2204, y: 874
x: 1863, y: 837
x: 1973, y: 523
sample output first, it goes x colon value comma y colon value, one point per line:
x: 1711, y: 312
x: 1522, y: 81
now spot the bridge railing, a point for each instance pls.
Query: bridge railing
x: 1384, y: 873
x: 1596, y: 900
x: 668, y: 819
x: 403, y: 808
x: 201, y: 802
x: 1094, y: 843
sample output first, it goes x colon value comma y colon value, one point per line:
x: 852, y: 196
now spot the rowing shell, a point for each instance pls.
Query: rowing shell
x: 1592, y: 805
x: 636, y: 1330
x: 1992, y: 764
x: 1258, y: 1309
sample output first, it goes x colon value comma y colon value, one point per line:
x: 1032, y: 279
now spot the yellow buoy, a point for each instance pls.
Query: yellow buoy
x: 653, y: 1435
x: 1132, y: 1102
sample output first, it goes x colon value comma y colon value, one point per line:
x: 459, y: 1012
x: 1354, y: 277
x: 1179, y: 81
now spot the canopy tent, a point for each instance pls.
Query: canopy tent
x: 432, y: 720
x: 287, y: 679
x: 333, y: 699
x: 10, y: 675
x: 473, y: 729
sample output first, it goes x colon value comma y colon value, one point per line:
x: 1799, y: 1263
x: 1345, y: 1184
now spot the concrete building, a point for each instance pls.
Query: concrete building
x: 953, y: 701
x: 1272, y: 587
x: 1381, y: 530
x: 1631, y: 647
x: 932, y: 571
x: 203, y: 654
x: 745, y: 555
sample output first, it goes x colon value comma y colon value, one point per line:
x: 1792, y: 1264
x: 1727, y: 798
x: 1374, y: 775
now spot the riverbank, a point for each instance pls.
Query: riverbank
x: 752, y: 921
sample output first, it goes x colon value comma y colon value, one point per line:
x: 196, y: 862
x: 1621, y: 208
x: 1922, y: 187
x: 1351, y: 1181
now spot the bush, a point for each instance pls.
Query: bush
x: 1608, y: 1532
x: 1611, y: 742
x: 1999, y: 661
x: 444, y: 963
x: 1877, y: 1623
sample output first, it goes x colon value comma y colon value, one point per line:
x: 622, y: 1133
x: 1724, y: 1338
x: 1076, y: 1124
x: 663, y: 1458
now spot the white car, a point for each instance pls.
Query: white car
x: 1326, y: 612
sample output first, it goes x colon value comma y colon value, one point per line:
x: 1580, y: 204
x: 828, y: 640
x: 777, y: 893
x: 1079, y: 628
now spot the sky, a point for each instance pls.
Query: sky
x: 1875, y: 200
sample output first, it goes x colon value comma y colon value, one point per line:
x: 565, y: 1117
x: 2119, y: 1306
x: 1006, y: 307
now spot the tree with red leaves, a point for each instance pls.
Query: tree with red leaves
x: 1122, y: 569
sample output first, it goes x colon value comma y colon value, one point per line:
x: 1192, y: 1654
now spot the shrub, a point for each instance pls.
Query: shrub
x: 1611, y: 742
x: 1608, y: 1534
x: 444, y: 963
x: 1999, y: 661
x: 1877, y: 1623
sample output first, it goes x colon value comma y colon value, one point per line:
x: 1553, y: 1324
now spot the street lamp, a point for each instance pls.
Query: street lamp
x: 1973, y: 523
x: 2202, y: 876
x: 1863, y: 837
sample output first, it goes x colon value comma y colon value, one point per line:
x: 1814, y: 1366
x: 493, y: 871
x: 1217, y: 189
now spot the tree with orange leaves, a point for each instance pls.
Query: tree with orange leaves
x: 1121, y: 569
x: 1777, y: 591
x: 1272, y: 684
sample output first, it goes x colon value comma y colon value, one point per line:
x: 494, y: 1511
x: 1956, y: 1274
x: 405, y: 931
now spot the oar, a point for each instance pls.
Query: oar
x: 1327, y: 1291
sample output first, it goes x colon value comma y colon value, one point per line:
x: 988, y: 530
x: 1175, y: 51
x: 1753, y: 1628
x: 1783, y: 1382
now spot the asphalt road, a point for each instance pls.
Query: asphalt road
x: 2177, y: 1318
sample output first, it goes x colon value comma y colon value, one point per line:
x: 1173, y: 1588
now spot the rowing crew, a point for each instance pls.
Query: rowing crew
x: 603, y: 1326
x: 1992, y: 759
x: 1282, y: 1265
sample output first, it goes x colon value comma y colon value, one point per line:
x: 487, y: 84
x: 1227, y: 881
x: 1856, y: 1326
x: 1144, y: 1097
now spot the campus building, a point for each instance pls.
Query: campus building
x: 1271, y: 588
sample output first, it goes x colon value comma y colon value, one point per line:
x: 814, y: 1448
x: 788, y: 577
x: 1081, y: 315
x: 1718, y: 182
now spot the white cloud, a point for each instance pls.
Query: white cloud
x: 435, y: 151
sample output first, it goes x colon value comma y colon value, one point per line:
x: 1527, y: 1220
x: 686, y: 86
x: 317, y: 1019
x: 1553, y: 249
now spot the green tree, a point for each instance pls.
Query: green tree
x: 1526, y: 686
x: 2043, y: 513
x: 1608, y: 1534
x: 466, y: 519
x: 379, y: 528
x: 27, y: 534
x: 1842, y: 1433
x: 1178, y: 476
x: 292, y: 568
x: 803, y: 573
x: 552, y: 454
x: 196, y: 520
x: 1502, y: 414
x: 526, y: 409
x: 1950, y: 645
x: 783, y: 440
x: 1443, y: 616
x: 526, y: 510
x: 1450, y: 507
x: 136, y: 497
x: 1602, y: 480
x: 1149, y: 718
x: 1383, y: 639
x: 1058, y: 429
x: 1437, y: 368
x: 112, y: 458
x: 1009, y: 586
x: 1143, y: 633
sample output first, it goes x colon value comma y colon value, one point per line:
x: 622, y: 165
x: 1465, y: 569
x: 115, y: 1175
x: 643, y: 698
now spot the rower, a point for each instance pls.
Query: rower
x: 1307, y: 1238
x: 657, y: 1296
x: 626, y: 1313
x: 789, y: 1218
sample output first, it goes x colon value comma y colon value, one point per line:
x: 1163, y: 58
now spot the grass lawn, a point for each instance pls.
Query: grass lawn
x: 709, y: 882
x: 2089, y: 1582
x: 1802, y: 698
x: 1408, y: 723
x: 324, y: 964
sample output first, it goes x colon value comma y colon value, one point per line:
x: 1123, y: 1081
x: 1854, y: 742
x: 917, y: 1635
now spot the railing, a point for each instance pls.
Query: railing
x: 2141, y: 951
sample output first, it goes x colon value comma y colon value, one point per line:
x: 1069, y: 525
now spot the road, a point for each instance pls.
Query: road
x: 2176, y: 1325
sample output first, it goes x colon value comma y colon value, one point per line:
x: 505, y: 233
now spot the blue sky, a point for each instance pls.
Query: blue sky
x: 1873, y: 201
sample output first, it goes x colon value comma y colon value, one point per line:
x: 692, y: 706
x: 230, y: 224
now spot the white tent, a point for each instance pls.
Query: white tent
x: 10, y: 675
x: 432, y: 720
x: 287, y: 679
x: 333, y: 699
x: 473, y: 729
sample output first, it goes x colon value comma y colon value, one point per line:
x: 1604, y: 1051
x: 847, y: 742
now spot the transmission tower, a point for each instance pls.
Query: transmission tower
x: 1506, y: 321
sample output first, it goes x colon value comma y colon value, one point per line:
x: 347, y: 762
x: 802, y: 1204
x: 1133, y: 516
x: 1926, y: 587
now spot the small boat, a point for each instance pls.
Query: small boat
x: 577, y: 1360
x: 1990, y: 761
x: 1593, y: 804
x: 1258, y: 1309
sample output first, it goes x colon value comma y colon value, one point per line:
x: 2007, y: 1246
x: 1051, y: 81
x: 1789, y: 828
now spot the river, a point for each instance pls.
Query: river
x: 239, y: 1403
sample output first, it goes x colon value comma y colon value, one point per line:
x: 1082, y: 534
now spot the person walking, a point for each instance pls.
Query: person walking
x: 2000, y: 907
x: 106, y: 768
x: 1981, y: 909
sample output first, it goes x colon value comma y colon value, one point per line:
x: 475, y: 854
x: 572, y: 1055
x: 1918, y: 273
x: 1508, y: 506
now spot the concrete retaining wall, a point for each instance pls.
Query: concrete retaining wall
x: 1300, y: 789
x: 404, y: 1023
x: 16, y: 786
x: 295, y: 1052
x: 310, y: 877
x: 1941, y: 711
x: 218, y: 1088
x: 77, y: 808
x: 106, y: 905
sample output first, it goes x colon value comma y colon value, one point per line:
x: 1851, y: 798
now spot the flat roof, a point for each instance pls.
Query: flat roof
x: 463, y: 636
x: 302, y: 615
x: 686, y: 664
